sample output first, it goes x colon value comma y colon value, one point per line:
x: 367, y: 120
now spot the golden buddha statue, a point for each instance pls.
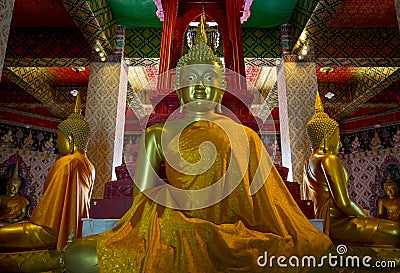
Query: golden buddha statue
x: 325, y: 183
x: 66, y: 195
x: 13, y: 205
x: 225, y: 203
x: 389, y: 206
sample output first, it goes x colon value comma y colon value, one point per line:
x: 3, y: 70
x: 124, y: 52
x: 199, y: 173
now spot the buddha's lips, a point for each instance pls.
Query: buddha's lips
x: 200, y: 94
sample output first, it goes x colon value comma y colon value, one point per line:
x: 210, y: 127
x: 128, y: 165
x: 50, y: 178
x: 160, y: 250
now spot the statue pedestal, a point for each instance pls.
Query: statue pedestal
x: 109, y: 208
x: 31, y: 261
x: 92, y: 226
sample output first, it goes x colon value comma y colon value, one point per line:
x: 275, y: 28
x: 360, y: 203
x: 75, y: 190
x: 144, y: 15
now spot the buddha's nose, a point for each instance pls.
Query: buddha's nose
x: 200, y: 85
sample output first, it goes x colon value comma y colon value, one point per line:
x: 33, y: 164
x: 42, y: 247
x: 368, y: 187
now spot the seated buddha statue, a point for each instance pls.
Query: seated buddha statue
x: 325, y: 183
x: 66, y: 195
x: 224, y: 205
x: 12, y: 204
x: 389, y: 206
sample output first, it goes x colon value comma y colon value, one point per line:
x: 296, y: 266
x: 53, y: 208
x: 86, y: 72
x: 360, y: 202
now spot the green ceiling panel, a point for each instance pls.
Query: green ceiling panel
x: 142, y: 13
x: 270, y: 13
x: 135, y: 13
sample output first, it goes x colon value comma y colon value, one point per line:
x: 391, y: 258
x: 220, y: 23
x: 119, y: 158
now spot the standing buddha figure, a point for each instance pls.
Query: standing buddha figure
x: 224, y: 205
x: 325, y: 182
x: 66, y: 195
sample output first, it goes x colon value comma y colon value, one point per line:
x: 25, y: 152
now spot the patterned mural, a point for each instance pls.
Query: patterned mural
x: 376, y: 43
x: 106, y: 103
x: 6, y: 8
x: 317, y: 23
x: 369, y: 83
x: 27, y: 138
x: 365, y: 175
x: 34, y: 149
x: 35, y: 82
x: 300, y: 17
x: 374, y: 139
x: 297, y: 86
x: 142, y: 42
x: 48, y: 43
x: 357, y: 14
x: 37, y: 166
x: 365, y: 155
x: 261, y: 43
x: 102, y: 28
x: 257, y: 43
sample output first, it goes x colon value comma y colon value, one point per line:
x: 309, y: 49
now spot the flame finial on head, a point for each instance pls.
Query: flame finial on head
x: 318, y: 104
x: 15, y: 174
x: 78, y: 104
x: 200, y: 51
x: 201, y: 36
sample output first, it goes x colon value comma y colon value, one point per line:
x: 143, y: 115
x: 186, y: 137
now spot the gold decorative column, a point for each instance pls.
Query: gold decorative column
x: 297, y: 87
x: 6, y: 10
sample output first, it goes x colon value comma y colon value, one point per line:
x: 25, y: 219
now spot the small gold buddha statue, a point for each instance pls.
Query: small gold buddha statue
x: 66, y: 195
x: 396, y: 138
x: 389, y: 206
x: 205, y: 219
x: 375, y: 142
x: 325, y: 183
x: 12, y: 204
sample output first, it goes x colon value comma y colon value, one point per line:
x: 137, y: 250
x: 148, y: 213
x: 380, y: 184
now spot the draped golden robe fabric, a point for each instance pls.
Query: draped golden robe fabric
x: 13, y: 207
x: 66, y: 197
x: 228, y: 236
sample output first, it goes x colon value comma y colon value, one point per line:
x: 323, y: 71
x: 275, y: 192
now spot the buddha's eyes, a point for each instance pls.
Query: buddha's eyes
x: 206, y: 77
x: 191, y: 77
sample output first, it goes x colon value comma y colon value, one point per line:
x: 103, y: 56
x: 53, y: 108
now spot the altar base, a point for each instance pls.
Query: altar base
x: 31, y: 261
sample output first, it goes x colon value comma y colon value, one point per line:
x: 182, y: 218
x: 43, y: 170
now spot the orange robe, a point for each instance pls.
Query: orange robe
x: 66, y: 197
x: 228, y: 236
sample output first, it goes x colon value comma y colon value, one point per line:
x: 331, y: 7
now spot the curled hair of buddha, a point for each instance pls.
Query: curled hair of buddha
x: 200, y: 51
x: 76, y: 126
x: 320, y: 125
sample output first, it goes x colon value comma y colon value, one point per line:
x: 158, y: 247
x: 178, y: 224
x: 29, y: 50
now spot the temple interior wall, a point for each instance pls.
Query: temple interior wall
x: 363, y: 155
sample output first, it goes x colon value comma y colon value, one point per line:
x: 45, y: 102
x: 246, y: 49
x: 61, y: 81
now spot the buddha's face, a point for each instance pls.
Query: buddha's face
x: 200, y: 85
x: 63, y: 144
x: 13, y: 186
x: 391, y: 190
x: 334, y: 143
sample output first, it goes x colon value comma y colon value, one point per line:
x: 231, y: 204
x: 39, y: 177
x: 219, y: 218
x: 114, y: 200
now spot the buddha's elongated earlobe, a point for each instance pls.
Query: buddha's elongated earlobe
x: 219, y: 105
x: 181, y: 102
x: 71, y: 144
x: 325, y: 144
